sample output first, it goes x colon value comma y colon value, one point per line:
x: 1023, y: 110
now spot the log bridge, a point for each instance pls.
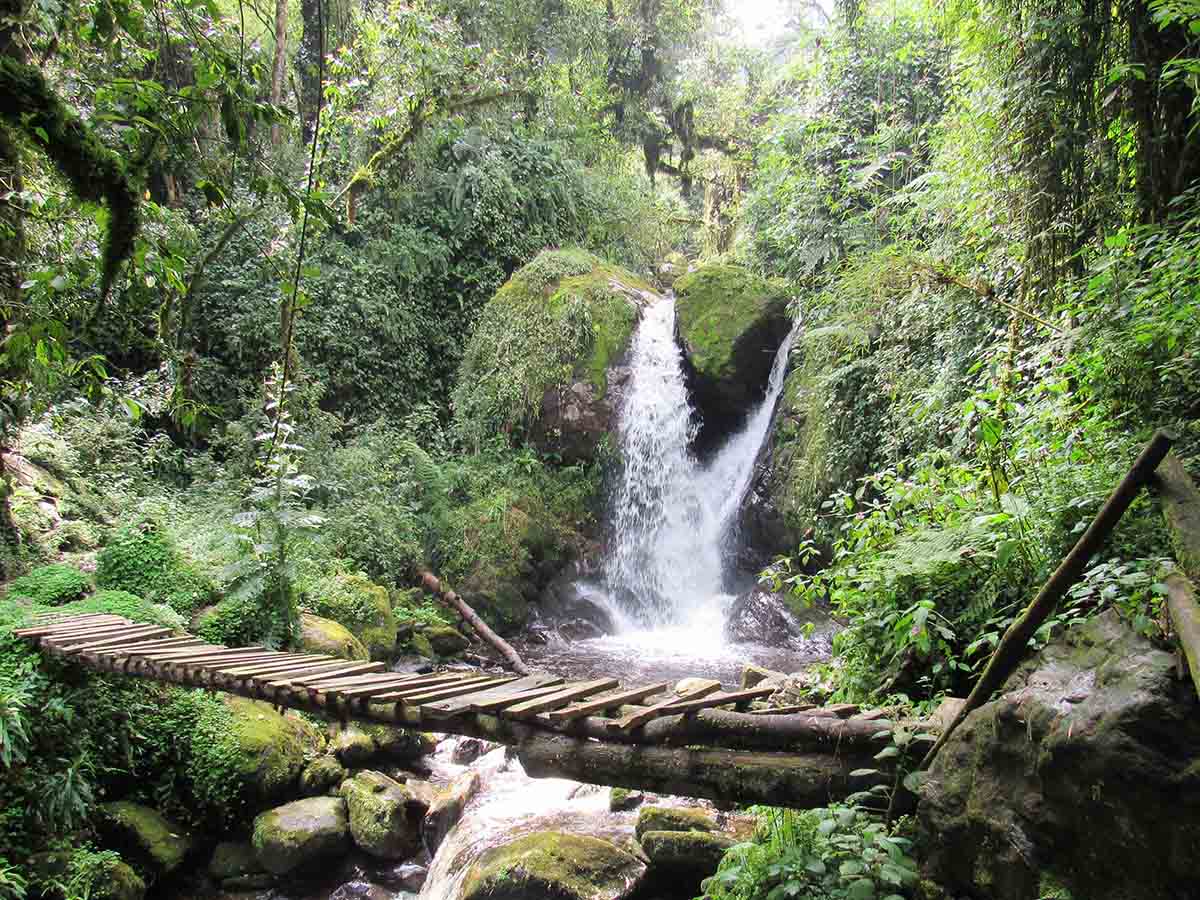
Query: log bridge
x: 643, y: 737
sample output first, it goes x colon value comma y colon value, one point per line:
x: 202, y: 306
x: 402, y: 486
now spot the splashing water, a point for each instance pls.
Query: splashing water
x: 673, y: 518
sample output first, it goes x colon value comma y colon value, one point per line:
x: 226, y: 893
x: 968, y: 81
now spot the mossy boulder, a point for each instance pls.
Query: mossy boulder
x: 556, y: 866
x: 399, y: 744
x: 352, y: 744
x: 729, y: 322
x: 119, y: 882
x: 824, y: 437
x: 688, y: 855
x: 322, y: 776
x: 361, y: 606
x: 144, y: 835
x: 543, y: 360
x: 301, y: 833
x: 320, y: 635
x: 435, y: 641
x: 267, y: 750
x: 1084, y: 768
x: 385, y: 819
x: 674, y: 818
x: 233, y: 861
x: 621, y: 799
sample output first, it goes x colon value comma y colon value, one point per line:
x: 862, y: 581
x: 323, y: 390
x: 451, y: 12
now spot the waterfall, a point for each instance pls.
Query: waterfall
x: 672, y: 520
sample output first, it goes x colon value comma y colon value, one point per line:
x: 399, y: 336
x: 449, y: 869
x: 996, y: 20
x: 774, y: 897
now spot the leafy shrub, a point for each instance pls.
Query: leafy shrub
x: 142, y: 560
x: 134, y: 608
x: 50, y: 585
x: 242, y: 621
x: 838, y: 853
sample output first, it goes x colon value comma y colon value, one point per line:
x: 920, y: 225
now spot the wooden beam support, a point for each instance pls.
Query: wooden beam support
x: 600, y: 704
x: 560, y: 697
x: 641, y: 717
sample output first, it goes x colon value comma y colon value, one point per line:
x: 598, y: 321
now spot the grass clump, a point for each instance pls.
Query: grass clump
x: 50, y: 585
x: 141, y: 559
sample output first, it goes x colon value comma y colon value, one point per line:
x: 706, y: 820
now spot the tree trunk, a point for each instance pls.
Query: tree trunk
x: 308, y: 63
x: 278, y: 69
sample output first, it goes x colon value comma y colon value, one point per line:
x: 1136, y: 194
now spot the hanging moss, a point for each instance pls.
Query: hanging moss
x: 96, y: 174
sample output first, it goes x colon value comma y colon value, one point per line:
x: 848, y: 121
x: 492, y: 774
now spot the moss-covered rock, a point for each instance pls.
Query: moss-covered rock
x: 551, y: 864
x: 729, y: 322
x: 320, y: 635
x: 620, y: 799
x: 674, y: 818
x: 363, y: 607
x: 144, y: 835
x: 322, y: 776
x: 399, y: 744
x: 385, y: 818
x: 262, y: 752
x: 435, y: 641
x: 690, y: 855
x: 119, y: 882
x: 541, y: 360
x: 301, y: 833
x: 233, y: 860
x: 352, y: 744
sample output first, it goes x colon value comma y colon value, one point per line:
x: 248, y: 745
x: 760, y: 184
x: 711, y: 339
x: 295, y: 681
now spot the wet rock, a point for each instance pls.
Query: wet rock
x: 620, y: 799
x: 233, y: 864
x: 407, y: 876
x: 352, y: 744
x: 301, y: 833
x: 729, y: 322
x: 689, y: 855
x: 568, y: 599
x: 579, y: 630
x: 269, y: 749
x: 467, y: 750
x: 318, y: 635
x: 143, y: 835
x: 403, y: 743
x: 447, y: 808
x: 321, y: 776
x: 551, y: 864
x: 761, y: 617
x: 435, y: 641
x: 1084, y: 768
x: 695, y: 684
x: 423, y: 792
x: 384, y: 816
x: 360, y: 890
x: 753, y: 675
x: 674, y: 818
x: 120, y: 882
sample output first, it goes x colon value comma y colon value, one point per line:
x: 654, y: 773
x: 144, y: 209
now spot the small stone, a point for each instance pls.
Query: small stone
x: 469, y: 749
x: 301, y: 833
x: 321, y: 776
x: 674, y: 818
x: 753, y: 675
x: 620, y: 799
x: 695, y: 684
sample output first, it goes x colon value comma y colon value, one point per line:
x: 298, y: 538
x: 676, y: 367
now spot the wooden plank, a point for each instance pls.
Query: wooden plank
x: 446, y: 691
x: 420, y: 684
x: 609, y: 701
x: 171, y: 643
x: 325, y: 664
x: 367, y: 690
x: 51, y: 617
x: 225, y: 662
x: 561, y: 697
x: 784, y: 710
x: 718, y: 699
x: 496, y: 704
x: 313, y: 683
x: 348, y: 681
x: 642, y: 716
x: 68, y: 622
x: 836, y: 711
x: 82, y: 634
x: 214, y: 653
x: 112, y: 640
x: 452, y: 707
x: 149, y: 650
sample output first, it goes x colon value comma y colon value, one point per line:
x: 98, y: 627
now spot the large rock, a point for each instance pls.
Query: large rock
x: 270, y: 749
x: 361, y: 606
x: 322, y: 776
x: 555, y: 866
x: 546, y: 358
x: 674, y: 818
x: 690, y: 856
x: 320, y: 635
x: 570, y: 599
x: 144, y: 835
x: 235, y: 865
x: 1085, y: 767
x: 730, y: 322
x: 301, y: 833
x: 385, y: 819
x: 352, y: 744
x: 762, y: 617
x: 447, y: 808
x: 434, y: 641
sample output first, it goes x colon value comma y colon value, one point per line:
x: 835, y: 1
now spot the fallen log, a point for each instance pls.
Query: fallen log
x: 723, y: 776
x: 431, y: 583
x: 1015, y: 643
x: 1185, y: 617
x: 1181, y: 509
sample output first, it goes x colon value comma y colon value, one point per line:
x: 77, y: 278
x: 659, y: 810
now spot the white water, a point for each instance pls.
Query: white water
x: 673, y: 519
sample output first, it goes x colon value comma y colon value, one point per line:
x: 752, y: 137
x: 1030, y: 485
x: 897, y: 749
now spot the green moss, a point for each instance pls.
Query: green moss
x: 318, y: 635
x: 715, y: 306
x: 143, y: 833
x: 673, y: 818
x: 321, y: 776
x: 566, y: 315
x: 385, y: 819
x: 553, y: 864
x: 360, y: 605
x: 50, y: 585
x: 301, y: 833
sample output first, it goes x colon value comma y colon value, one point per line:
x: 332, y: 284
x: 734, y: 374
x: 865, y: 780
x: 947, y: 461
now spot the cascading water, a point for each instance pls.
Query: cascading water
x: 672, y: 519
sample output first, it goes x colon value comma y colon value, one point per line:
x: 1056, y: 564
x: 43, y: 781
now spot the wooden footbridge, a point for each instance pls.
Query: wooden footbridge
x: 699, y: 743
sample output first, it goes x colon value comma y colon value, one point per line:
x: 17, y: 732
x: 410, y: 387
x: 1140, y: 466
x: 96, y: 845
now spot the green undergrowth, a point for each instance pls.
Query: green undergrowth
x: 50, y: 585
x: 565, y: 315
x: 141, y: 559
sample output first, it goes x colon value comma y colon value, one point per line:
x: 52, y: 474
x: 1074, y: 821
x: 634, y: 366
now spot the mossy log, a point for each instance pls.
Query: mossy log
x: 1185, y: 617
x: 430, y: 582
x: 801, y: 781
x: 1181, y: 509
